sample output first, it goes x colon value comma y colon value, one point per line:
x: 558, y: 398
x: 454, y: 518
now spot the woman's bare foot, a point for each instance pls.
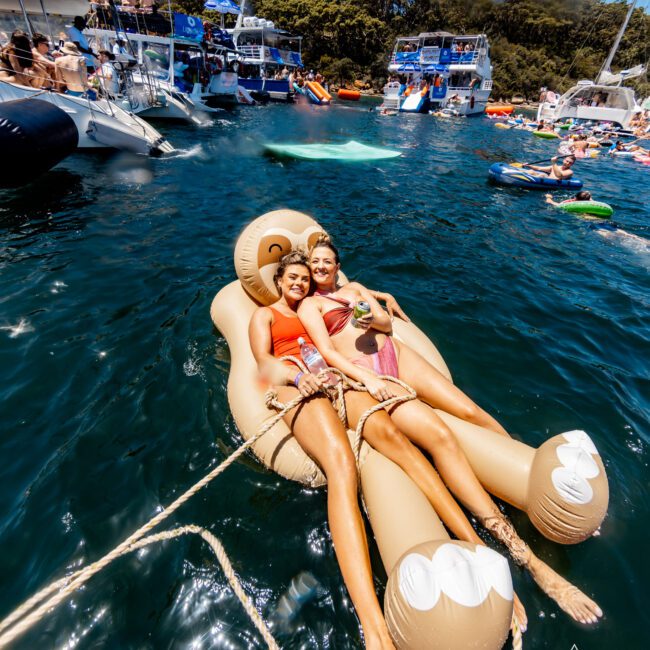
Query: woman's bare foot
x: 576, y: 604
x: 519, y: 611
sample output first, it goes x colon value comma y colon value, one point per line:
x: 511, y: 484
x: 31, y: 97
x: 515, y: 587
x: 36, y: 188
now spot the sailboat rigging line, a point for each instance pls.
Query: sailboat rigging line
x: 610, y: 57
x: 584, y: 42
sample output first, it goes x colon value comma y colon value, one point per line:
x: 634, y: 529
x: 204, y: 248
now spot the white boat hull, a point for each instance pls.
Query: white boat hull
x: 101, y: 124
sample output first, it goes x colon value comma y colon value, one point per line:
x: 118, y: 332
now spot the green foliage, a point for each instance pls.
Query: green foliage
x: 534, y: 42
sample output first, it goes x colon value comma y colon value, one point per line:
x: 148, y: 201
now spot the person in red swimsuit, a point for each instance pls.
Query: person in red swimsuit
x: 327, y: 319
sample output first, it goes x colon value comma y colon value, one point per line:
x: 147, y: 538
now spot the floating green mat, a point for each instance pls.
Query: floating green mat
x: 349, y: 151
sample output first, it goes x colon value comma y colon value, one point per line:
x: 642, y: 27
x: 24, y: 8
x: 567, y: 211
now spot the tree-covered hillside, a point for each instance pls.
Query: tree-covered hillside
x: 534, y: 42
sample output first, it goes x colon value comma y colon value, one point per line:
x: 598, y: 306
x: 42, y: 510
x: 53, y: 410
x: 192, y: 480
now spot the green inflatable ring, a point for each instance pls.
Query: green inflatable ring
x: 545, y: 134
x: 593, y: 208
x: 156, y: 56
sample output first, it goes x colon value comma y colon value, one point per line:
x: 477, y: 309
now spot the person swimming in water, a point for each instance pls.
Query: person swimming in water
x: 583, y: 195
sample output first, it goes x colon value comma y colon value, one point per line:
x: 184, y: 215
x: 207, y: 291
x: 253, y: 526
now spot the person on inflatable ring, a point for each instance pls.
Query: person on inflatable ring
x: 365, y: 350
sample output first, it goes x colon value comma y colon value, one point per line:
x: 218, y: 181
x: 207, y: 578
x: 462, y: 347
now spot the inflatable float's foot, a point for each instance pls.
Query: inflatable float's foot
x: 576, y: 604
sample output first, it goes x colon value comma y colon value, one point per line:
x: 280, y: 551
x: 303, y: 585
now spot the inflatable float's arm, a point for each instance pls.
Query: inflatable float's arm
x: 392, y: 306
x: 259, y: 334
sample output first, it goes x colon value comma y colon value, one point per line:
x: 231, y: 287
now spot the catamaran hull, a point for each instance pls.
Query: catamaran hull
x: 101, y: 124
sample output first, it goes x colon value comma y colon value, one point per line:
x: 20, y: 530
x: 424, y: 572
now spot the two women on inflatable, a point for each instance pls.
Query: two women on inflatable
x: 441, y: 593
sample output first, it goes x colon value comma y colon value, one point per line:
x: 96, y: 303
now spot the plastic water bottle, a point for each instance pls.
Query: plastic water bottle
x: 315, y: 362
x: 302, y: 588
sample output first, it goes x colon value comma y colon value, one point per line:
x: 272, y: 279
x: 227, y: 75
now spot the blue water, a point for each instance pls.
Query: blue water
x: 113, y: 379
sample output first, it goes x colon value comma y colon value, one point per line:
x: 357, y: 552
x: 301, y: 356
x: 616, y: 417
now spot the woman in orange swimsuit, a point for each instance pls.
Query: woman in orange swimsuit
x: 366, y: 351
x: 273, y: 333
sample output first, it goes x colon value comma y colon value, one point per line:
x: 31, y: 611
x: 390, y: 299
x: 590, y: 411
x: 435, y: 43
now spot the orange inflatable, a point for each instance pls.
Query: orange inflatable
x: 499, y: 109
x: 319, y: 91
x: 350, y: 95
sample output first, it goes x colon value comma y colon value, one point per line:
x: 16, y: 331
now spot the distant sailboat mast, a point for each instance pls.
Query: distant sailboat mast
x: 608, y: 62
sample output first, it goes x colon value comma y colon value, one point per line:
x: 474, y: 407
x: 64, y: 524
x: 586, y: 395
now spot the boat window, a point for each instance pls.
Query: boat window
x: 155, y: 57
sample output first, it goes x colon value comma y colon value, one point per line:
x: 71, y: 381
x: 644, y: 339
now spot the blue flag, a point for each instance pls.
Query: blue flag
x: 189, y: 27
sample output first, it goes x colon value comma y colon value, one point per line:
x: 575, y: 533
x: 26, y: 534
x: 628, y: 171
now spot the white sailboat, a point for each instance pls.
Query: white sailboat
x: 604, y: 100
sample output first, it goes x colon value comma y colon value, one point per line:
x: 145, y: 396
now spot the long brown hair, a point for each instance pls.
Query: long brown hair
x: 324, y: 241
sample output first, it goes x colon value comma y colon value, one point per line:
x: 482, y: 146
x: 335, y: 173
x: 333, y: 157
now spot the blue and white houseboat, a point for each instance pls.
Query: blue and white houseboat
x: 268, y: 56
x: 439, y: 71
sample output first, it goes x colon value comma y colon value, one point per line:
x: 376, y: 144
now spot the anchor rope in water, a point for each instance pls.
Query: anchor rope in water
x: 34, y: 608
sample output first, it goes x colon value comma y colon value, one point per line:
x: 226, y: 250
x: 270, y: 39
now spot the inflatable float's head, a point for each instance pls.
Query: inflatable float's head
x: 451, y: 595
x: 262, y: 244
x: 568, y: 492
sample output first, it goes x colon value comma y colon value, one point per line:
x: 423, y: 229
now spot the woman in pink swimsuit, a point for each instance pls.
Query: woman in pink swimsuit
x: 366, y: 350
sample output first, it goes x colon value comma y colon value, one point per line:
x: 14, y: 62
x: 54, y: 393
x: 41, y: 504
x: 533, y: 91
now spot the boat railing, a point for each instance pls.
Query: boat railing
x: 434, y: 55
x: 251, y: 51
x: 262, y: 53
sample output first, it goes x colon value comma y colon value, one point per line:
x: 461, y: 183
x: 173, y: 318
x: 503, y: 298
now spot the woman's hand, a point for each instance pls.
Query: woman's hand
x: 379, y: 389
x: 365, y: 322
x: 393, y: 308
x: 309, y: 384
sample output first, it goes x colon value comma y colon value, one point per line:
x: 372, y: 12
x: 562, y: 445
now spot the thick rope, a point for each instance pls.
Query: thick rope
x: 517, y: 641
x: 22, y: 621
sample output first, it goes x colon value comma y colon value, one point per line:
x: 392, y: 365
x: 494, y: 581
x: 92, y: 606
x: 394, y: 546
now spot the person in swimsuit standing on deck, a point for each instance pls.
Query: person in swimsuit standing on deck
x: 363, y: 353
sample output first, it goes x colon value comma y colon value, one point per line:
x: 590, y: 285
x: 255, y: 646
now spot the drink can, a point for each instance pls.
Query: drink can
x: 361, y: 308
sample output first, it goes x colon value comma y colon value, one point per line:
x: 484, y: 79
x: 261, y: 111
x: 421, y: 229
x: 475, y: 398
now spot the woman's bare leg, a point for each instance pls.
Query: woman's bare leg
x: 322, y: 436
x: 382, y: 434
x: 435, y: 389
x: 421, y: 425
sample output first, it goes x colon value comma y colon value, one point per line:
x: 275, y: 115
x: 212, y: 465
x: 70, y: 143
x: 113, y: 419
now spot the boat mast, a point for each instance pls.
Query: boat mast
x: 240, y: 18
x: 612, y: 52
x: 26, y: 17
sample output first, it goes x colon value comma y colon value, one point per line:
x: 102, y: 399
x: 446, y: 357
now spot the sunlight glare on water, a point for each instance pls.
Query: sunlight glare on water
x: 113, y: 379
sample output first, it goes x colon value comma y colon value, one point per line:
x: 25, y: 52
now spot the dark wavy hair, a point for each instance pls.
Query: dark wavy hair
x: 294, y: 257
x: 22, y: 48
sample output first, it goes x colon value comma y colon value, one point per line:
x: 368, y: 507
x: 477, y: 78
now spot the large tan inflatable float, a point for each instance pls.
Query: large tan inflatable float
x: 440, y: 593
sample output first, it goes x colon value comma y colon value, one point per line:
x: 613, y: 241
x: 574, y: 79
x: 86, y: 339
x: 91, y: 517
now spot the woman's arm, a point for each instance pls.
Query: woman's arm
x: 311, y: 317
x: 392, y: 306
x: 272, y: 369
x: 380, y: 320
x: 259, y: 335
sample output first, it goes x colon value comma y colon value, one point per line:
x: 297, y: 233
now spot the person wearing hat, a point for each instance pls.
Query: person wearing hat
x: 77, y: 37
x: 119, y: 47
x: 71, y: 71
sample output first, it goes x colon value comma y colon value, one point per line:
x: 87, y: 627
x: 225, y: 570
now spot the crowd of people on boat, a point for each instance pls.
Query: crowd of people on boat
x: 69, y: 67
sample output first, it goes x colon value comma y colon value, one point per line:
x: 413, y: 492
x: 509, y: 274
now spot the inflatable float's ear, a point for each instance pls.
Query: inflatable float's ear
x: 262, y: 244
